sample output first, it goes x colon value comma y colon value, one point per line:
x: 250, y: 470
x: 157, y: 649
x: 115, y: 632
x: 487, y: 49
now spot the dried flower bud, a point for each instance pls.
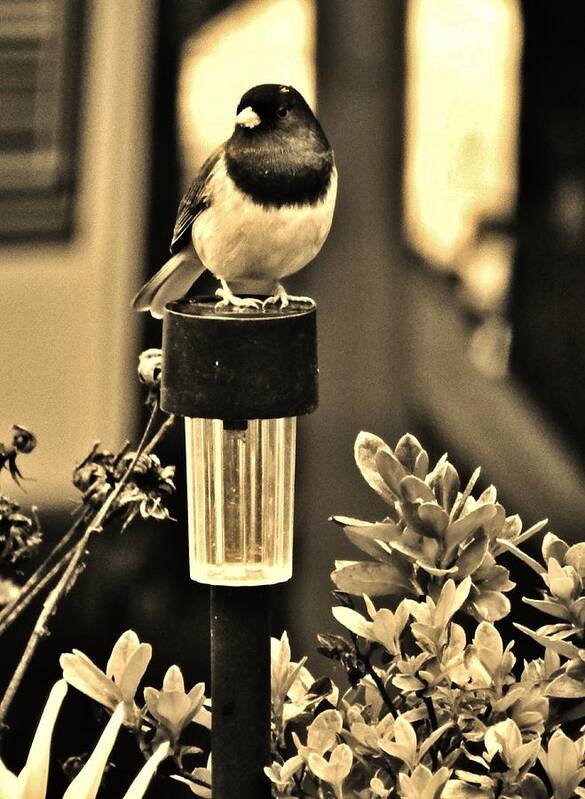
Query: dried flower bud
x: 23, y: 440
x: 149, y: 367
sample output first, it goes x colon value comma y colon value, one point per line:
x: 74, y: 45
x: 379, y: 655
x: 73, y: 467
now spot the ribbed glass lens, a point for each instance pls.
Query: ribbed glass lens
x: 240, y: 487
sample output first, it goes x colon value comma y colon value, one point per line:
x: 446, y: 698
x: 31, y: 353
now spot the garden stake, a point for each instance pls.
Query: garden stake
x: 240, y: 377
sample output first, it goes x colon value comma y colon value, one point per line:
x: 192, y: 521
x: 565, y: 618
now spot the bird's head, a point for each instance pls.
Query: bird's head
x: 273, y: 107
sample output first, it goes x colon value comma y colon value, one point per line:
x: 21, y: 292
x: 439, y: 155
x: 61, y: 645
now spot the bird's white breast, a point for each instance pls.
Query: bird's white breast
x: 236, y: 238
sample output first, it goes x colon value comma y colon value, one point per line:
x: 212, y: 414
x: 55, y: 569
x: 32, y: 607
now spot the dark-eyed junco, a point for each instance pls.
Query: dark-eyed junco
x: 260, y: 208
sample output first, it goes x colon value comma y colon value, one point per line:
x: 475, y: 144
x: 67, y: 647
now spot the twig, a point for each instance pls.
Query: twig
x: 377, y: 679
x: 70, y: 574
x: 31, y: 588
x: 434, y: 725
x: 15, y: 612
x: 166, y: 425
x: 49, y: 607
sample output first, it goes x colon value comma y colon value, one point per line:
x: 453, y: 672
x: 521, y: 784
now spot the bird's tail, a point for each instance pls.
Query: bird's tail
x: 171, y: 282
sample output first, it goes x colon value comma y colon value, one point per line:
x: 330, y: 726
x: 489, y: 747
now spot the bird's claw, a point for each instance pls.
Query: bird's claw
x: 281, y: 295
x: 229, y: 298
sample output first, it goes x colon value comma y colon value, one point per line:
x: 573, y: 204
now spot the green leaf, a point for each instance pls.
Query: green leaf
x: 373, y: 579
x: 446, y: 486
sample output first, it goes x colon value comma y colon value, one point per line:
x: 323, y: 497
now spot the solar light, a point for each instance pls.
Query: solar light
x: 240, y: 377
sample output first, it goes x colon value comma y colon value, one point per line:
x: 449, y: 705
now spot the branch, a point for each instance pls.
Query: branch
x: 72, y: 571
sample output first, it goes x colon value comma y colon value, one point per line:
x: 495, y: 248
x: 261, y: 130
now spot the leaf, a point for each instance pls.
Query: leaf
x: 554, y: 547
x: 413, y: 489
x: 446, y: 486
x: 373, y: 579
x: 547, y: 606
x: 575, y: 557
x: 407, y: 451
x: 365, y: 450
x: 433, y: 517
x: 565, y: 648
x: 491, y: 605
x: 565, y: 687
x: 458, y: 508
x: 534, y: 564
x: 366, y: 537
x: 353, y: 621
x: 471, y: 558
x: 391, y: 471
x: 467, y: 525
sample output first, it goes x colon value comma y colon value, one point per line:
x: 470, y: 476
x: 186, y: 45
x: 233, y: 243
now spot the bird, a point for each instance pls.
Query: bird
x: 259, y: 210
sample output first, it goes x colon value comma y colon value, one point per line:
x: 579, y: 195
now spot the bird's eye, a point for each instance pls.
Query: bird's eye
x: 282, y: 111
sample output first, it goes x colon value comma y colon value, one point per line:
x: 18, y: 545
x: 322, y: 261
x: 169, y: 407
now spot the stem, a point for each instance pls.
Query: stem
x: 70, y: 574
x: 434, y: 725
x: 379, y: 682
x: 166, y: 425
x: 15, y: 612
x: 49, y: 607
x: 38, y: 579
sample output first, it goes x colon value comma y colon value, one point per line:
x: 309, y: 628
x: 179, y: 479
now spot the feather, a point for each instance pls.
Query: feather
x: 195, y: 200
x: 171, y: 282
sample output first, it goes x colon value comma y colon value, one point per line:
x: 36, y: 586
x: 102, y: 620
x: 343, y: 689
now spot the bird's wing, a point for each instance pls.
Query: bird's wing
x: 195, y: 200
x: 171, y: 281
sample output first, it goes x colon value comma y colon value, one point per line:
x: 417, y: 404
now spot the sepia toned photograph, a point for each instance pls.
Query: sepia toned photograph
x: 292, y: 399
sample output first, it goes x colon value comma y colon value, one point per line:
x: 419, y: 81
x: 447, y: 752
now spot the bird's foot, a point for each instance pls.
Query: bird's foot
x: 229, y: 298
x: 281, y: 295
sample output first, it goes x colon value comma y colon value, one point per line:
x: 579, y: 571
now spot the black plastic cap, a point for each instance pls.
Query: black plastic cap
x: 237, y: 364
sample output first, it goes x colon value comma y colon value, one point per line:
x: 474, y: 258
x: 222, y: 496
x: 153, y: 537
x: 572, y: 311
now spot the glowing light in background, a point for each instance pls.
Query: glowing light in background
x: 461, y: 120
x: 259, y: 41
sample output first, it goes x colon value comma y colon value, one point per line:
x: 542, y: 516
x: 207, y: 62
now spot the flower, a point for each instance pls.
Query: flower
x: 125, y: 668
x: 423, y: 784
x: 282, y: 774
x: 385, y: 627
x: 20, y: 535
x: 31, y: 783
x: 505, y: 738
x: 562, y: 762
x: 174, y: 709
x: 335, y: 770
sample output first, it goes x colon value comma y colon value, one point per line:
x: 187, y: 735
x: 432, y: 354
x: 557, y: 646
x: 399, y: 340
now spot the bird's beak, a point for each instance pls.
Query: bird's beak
x: 247, y: 118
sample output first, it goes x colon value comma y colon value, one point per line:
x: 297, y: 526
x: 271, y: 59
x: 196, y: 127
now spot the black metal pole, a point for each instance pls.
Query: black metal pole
x: 240, y: 691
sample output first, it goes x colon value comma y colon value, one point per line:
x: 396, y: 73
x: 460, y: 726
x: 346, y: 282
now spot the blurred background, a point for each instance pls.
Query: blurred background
x: 450, y: 291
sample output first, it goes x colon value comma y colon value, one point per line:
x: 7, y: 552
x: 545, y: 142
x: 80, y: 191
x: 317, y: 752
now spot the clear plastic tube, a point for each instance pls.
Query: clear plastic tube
x: 240, y: 489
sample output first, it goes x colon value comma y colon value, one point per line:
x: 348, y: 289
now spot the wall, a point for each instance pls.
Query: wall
x: 68, y: 337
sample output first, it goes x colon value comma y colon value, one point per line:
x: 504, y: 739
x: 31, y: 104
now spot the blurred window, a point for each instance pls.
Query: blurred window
x: 258, y: 41
x: 39, y: 76
x: 461, y: 152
